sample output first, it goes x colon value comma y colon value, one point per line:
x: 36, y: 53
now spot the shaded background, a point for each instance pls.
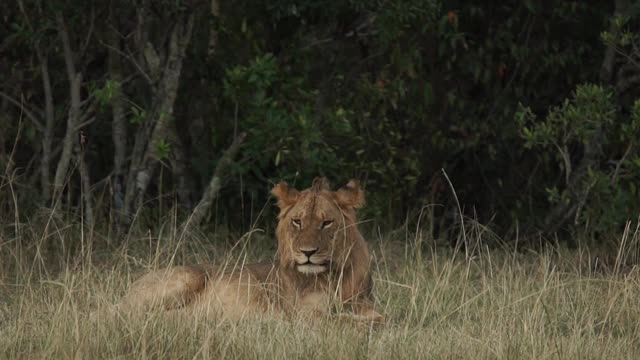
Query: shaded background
x: 122, y: 112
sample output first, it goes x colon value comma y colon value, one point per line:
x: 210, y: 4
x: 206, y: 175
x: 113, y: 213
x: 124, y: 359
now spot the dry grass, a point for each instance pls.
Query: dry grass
x: 495, y: 305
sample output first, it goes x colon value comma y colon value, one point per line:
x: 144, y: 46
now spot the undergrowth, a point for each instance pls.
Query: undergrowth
x: 439, y: 303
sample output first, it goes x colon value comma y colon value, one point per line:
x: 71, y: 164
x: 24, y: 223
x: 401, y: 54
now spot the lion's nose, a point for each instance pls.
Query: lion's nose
x: 308, y: 251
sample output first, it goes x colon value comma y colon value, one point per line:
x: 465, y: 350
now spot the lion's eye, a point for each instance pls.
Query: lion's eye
x: 296, y: 223
x: 327, y: 224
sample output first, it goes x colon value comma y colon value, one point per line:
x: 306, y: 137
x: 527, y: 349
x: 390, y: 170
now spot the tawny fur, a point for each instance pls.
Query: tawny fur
x: 336, y: 276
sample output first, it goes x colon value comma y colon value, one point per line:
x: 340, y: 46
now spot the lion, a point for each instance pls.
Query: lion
x: 323, y: 265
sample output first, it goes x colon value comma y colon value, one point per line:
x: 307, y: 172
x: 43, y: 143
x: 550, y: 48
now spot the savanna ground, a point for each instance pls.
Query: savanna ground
x: 475, y: 304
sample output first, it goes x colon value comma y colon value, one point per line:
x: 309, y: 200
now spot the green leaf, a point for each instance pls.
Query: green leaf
x: 163, y: 149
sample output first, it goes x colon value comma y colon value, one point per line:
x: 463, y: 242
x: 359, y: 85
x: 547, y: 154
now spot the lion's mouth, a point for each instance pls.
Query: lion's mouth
x: 310, y: 268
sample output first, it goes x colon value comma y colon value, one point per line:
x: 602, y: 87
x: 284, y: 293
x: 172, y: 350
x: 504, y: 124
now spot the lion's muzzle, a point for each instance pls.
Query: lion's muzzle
x: 308, y: 261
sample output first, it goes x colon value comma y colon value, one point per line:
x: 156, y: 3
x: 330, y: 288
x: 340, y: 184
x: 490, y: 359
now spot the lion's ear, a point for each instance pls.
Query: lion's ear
x: 351, y: 195
x: 320, y: 183
x: 286, y: 196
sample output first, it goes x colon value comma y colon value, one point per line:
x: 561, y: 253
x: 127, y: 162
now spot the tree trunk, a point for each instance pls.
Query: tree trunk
x: 119, y: 130
x: 85, y: 183
x: 213, y: 29
x: 47, y: 138
x: 70, y: 138
x: 184, y: 181
x: 156, y: 127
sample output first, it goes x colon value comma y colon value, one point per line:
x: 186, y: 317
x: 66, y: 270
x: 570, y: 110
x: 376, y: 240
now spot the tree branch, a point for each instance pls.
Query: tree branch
x: 131, y: 59
x: 87, y: 40
x: 23, y: 108
x: 66, y: 46
x: 213, y: 189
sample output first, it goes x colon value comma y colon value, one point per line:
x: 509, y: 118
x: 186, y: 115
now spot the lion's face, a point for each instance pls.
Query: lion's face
x: 314, y: 225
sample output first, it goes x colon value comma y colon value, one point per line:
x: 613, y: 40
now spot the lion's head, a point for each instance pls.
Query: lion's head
x: 317, y: 230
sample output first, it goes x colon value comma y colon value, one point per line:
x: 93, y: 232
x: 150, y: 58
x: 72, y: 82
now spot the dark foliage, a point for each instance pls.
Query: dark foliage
x: 530, y: 109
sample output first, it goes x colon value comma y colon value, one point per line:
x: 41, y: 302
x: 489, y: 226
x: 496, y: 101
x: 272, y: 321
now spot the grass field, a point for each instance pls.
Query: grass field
x: 496, y: 304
